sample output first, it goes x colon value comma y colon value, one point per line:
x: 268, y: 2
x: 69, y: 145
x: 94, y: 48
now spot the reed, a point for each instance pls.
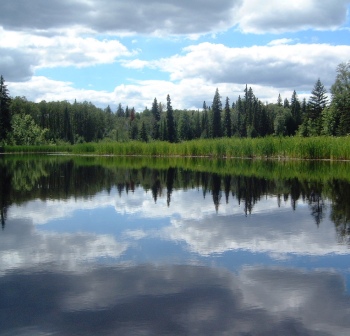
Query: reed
x: 313, y: 148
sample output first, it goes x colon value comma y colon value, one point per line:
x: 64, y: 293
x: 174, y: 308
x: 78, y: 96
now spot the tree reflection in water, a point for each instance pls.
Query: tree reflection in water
x: 26, y: 178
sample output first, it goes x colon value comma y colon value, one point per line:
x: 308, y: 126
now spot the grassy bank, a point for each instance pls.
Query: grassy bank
x: 316, y: 148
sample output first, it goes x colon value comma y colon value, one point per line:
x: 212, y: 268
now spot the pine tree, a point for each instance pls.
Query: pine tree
x: 170, y: 121
x: 5, y: 115
x: 217, y: 109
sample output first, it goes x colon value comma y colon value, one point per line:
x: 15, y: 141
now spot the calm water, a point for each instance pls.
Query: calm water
x: 129, y: 247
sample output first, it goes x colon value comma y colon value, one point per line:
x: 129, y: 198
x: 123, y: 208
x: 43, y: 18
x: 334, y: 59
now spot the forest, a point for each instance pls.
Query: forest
x: 23, y: 122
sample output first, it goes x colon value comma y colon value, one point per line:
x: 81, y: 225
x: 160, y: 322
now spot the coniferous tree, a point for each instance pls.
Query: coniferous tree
x: 341, y: 99
x: 205, y: 122
x: 67, y: 127
x: 127, y: 112
x: 5, y: 116
x: 133, y: 130
x: 216, y: 111
x: 120, y: 111
x: 286, y: 103
x: 249, y: 112
x: 279, y: 100
x: 295, y: 108
x: 156, y: 119
x: 170, y: 121
x: 317, y: 102
x: 227, y: 124
x: 132, y: 114
x: 241, y: 118
x: 143, y: 133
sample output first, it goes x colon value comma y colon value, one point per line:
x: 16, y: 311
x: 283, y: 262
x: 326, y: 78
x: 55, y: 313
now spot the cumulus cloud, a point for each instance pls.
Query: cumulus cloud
x: 186, y: 94
x: 40, y: 88
x: 276, y: 16
x: 137, y: 16
x: 295, y: 66
x: 169, y: 17
x: 78, y: 33
x: 23, y: 52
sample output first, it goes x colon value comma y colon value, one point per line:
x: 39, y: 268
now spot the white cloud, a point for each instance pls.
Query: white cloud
x: 162, y: 18
x: 263, y: 232
x: 40, y: 88
x: 281, y: 41
x: 23, y: 247
x: 276, y: 16
x: 66, y: 49
x: 279, y: 65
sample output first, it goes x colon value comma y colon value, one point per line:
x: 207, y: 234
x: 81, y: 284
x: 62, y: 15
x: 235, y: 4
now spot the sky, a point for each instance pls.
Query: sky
x: 130, y: 52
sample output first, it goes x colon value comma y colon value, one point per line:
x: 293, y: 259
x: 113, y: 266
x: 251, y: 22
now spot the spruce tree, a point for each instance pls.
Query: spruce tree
x: 156, y: 119
x: 295, y: 108
x: 217, y: 109
x: 5, y: 115
x: 241, y: 118
x: 317, y: 101
x: 279, y: 100
x: 143, y: 133
x: 170, y: 121
x: 227, y: 119
x: 341, y: 99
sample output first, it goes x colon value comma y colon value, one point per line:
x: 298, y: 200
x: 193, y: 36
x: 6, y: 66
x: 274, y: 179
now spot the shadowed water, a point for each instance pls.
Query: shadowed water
x: 116, y: 246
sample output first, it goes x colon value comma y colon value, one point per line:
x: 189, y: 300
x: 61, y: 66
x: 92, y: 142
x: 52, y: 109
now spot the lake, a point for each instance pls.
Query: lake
x: 137, y: 246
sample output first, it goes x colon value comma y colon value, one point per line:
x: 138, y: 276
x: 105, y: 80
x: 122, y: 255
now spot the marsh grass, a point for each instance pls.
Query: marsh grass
x: 313, y: 148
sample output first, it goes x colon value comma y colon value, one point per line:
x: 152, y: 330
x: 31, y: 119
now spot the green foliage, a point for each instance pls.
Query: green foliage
x: 170, y: 121
x: 227, y: 122
x: 26, y: 132
x: 216, y: 121
x: 5, y: 115
x: 341, y: 99
x: 143, y: 133
x: 311, y: 148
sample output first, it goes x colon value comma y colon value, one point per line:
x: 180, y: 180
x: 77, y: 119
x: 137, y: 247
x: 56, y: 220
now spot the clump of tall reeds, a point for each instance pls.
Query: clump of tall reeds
x: 313, y: 148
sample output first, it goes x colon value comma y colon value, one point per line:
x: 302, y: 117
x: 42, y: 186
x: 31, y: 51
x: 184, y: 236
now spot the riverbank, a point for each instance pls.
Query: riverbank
x: 313, y: 148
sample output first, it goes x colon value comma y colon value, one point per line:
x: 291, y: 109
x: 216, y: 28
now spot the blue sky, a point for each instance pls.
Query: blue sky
x: 111, y: 52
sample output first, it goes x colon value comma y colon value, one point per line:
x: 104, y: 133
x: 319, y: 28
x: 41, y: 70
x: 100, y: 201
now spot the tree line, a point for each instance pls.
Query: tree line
x: 23, y: 122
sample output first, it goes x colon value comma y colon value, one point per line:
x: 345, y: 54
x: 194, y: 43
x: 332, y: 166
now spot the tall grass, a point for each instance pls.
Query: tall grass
x: 313, y: 148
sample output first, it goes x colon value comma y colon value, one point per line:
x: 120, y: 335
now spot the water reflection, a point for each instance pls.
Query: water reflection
x: 105, y: 247
x: 174, y: 300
